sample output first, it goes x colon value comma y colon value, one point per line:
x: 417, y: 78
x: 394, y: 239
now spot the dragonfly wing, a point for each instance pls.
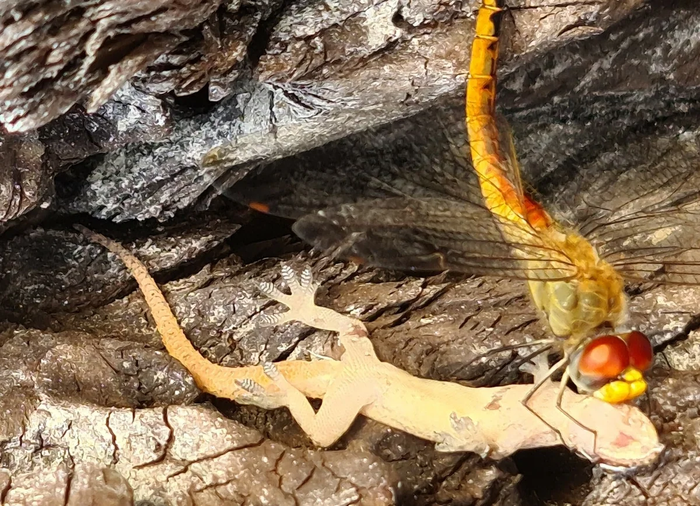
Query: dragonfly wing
x: 422, y: 156
x: 429, y: 234
x: 402, y: 196
x: 640, y: 206
x: 660, y: 246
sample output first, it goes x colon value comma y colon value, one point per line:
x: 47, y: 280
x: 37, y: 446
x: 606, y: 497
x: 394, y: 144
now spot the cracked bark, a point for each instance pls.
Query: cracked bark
x: 425, y: 475
x: 160, y: 463
x: 305, y: 88
x: 401, y: 59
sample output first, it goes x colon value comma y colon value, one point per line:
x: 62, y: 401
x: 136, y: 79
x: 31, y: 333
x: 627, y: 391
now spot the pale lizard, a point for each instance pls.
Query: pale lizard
x: 488, y: 421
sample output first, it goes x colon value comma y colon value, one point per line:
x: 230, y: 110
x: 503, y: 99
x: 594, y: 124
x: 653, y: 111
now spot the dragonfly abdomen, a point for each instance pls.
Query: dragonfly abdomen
x: 481, y: 87
x: 500, y: 196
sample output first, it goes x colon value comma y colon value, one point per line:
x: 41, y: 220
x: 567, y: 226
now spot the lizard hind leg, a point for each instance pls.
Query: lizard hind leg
x: 341, y: 405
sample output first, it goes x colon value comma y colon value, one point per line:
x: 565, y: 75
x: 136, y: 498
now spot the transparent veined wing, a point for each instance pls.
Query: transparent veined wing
x: 661, y: 246
x: 640, y: 205
x: 422, y: 156
x: 431, y: 234
x: 404, y: 196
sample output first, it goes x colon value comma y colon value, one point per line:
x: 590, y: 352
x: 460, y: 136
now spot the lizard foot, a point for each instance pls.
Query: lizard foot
x: 464, y: 436
x: 280, y: 394
x: 539, y: 367
x: 284, y: 386
x: 352, y: 334
x: 254, y: 393
x: 300, y: 302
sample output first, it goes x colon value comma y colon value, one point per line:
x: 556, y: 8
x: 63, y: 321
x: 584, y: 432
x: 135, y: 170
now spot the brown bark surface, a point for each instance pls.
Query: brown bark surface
x: 108, y: 108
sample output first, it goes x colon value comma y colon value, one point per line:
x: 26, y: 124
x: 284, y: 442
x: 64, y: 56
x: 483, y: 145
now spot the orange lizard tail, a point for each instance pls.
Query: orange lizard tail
x: 311, y: 377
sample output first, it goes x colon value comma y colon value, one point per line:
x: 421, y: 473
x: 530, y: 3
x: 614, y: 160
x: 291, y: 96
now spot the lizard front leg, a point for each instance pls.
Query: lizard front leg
x: 353, y: 388
x: 302, y: 308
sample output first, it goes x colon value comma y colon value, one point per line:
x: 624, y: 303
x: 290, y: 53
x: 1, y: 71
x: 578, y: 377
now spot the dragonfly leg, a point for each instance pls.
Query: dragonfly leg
x: 647, y: 402
x: 517, y: 364
x: 546, y: 377
x: 538, y: 384
x: 560, y: 397
x: 546, y: 342
x: 510, y: 347
x: 496, y: 376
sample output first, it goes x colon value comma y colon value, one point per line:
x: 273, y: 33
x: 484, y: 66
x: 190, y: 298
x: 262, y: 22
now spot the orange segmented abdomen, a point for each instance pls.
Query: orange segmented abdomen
x: 501, y: 196
x: 536, y: 216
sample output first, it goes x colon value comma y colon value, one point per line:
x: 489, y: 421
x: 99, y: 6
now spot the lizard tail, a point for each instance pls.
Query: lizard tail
x: 174, y: 339
x: 312, y: 378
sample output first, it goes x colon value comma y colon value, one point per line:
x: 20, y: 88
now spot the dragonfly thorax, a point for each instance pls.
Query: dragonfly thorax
x: 592, y: 298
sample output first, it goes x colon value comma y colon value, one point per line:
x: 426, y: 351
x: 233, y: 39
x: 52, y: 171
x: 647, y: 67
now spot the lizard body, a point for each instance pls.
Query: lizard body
x: 488, y: 421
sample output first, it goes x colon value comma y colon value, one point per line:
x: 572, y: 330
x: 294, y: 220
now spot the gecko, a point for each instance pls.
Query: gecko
x: 490, y: 421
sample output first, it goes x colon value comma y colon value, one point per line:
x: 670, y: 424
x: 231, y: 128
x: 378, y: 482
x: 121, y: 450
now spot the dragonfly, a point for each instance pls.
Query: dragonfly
x: 428, y: 198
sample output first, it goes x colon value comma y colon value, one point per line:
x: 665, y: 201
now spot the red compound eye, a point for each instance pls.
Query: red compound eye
x: 604, y: 357
x: 641, y: 352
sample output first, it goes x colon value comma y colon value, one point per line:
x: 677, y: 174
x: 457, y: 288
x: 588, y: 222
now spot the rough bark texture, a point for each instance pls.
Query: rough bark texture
x: 93, y: 410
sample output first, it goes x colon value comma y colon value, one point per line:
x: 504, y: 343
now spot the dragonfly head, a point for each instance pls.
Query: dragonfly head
x: 611, y: 366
